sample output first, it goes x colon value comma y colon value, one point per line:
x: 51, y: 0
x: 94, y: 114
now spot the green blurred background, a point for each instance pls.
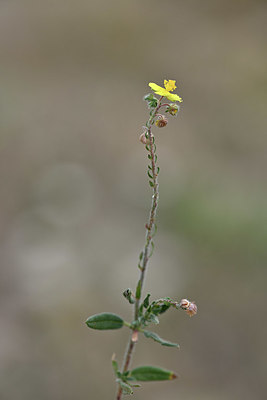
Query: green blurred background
x: 75, y: 197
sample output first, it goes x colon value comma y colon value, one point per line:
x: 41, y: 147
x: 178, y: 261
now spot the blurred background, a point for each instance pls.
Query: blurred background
x: 75, y: 196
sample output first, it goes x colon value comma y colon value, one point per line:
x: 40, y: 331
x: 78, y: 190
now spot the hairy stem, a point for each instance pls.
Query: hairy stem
x: 150, y: 227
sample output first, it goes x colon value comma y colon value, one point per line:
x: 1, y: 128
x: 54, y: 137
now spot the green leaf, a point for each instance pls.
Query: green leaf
x: 158, y: 339
x: 138, y: 290
x: 149, y: 373
x: 155, y: 230
x: 105, y: 321
x: 149, y: 174
x: 146, y: 301
x: 115, y: 365
x: 149, y: 96
x: 153, y: 318
x: 152, y: 248
x: 140, y: 267
x: 129, y: 296
x: 158, y: 169
x: 157, y: 309
x: 163, y: 308
x: 151, y: 183
x: 126, y: 389
x: 153, y: 103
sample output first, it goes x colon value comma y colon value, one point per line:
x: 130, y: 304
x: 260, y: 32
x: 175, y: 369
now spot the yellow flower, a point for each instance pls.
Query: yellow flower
x: 169, y: 87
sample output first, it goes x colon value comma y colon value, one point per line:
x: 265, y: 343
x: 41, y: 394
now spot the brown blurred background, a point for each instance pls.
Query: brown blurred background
x: 75, y: 197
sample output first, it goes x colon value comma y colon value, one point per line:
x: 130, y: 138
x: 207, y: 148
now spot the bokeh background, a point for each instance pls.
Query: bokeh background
x: 75, y: 198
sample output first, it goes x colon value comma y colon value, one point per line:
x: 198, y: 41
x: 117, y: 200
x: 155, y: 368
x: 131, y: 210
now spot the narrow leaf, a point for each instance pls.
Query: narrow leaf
x: 126, y: 389
x: 129, y: 296
x: 152, y: 248
x: 153, y: 318
x: 149, y: 174
x: 155, y: 230
x: 146, y: 301
x: 149, y: 373
x: 115, y: 364
x: 151, y: 183
x: 140, y: 267
x: 157, y: 338
x: 138, y: 290
x: 105, y: 321
x: 148, y: 97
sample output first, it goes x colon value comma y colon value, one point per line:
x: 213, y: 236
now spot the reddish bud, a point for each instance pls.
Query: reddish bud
x: 184, y: 304
x: 189, y: 306
x: 192, y: 309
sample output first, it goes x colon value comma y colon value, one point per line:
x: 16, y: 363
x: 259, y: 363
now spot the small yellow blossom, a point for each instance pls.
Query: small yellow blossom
x: 165, y: 92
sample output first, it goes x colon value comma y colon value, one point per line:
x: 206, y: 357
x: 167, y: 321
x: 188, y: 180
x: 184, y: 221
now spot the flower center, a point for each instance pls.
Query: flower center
x: 169, y: 85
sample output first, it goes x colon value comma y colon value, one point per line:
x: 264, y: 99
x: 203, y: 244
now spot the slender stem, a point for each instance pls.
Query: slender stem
x: 150, y: 226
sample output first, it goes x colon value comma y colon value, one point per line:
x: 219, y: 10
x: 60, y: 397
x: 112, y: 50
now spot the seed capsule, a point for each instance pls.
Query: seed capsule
x: 161, y: 121
x: 172, y: 109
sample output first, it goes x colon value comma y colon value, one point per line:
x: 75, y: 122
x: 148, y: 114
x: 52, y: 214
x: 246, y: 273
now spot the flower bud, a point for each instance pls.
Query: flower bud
x: 161, y: 121
x: 172, y: 109
x: 144, y: 139
x: 192, y: 309
x: 189, y: 306
x: 184, y: 304
x: 128, y: 294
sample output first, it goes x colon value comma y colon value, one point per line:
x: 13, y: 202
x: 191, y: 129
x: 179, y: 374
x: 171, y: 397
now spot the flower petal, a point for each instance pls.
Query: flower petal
x: 165, y: 93
x: 173, y: 97
x: 155, y: 87
x: 158, y: 89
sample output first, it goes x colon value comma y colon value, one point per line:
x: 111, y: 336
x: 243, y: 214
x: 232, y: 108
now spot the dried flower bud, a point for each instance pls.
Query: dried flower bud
x: 184, y: 304
x: 192, y: 309
x: 161, y: 121
x: 172, y: 109
x: 143, y: 138
x: 189, y: 307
